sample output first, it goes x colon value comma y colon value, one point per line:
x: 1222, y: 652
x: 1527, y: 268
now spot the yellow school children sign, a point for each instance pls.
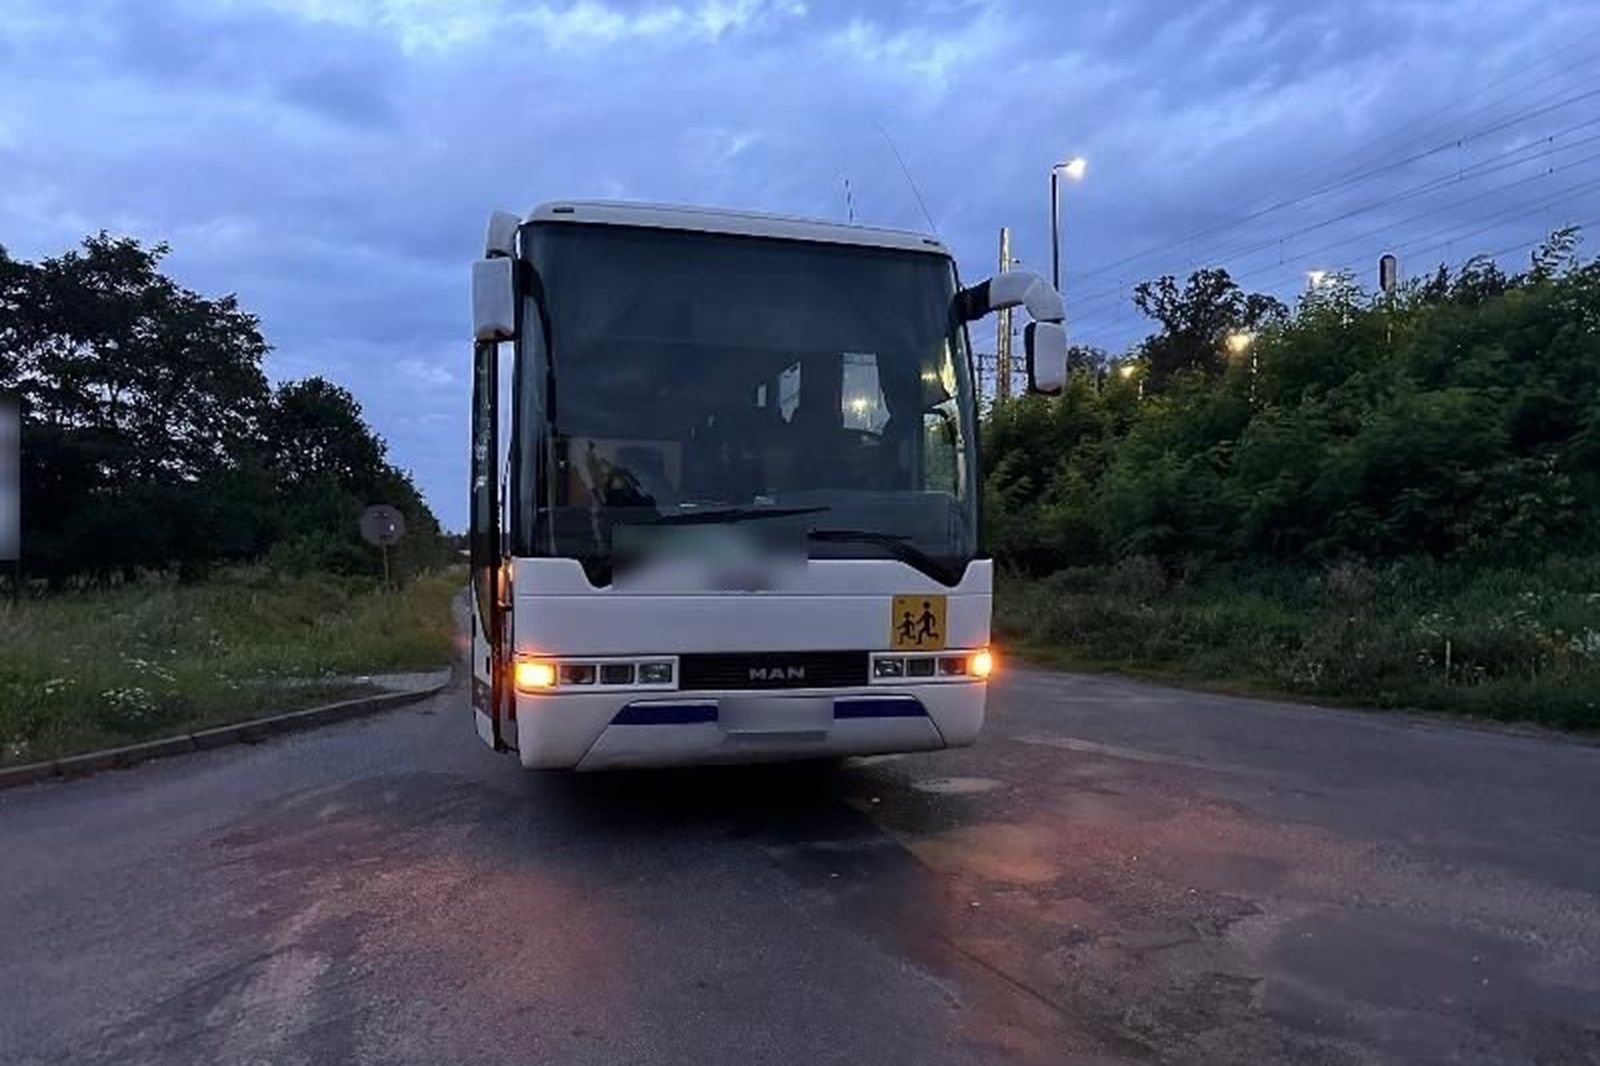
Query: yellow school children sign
x: 916, y: 623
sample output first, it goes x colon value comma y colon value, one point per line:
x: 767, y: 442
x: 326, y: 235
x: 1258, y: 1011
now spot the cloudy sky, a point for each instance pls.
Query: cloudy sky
x: 333, y: 161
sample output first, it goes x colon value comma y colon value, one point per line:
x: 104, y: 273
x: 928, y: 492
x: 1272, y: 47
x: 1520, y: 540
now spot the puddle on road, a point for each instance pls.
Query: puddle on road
x: 957, y: 786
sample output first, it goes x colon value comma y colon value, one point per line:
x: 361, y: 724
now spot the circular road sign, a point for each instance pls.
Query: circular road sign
x: 382, y: 525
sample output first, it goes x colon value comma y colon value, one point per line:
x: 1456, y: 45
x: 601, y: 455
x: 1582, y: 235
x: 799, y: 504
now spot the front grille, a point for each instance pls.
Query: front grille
x: 776, y: 669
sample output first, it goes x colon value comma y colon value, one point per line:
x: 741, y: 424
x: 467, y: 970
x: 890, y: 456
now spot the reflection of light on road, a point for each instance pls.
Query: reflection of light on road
x: 411, y: 877
x: 1008, y: 854
x: 957, y: 786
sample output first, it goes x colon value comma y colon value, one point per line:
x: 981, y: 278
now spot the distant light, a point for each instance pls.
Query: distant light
x: 860, y: 405
x: 981, y: 664
x: 1240, y: 341
x: 1074, y: 168
x: 1127, y: 370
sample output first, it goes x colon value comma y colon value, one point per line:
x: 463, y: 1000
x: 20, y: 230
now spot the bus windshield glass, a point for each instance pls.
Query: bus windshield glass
x: 684, y: 377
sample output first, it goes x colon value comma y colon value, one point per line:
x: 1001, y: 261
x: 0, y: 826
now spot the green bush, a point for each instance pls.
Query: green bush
x: 1458, y: 419
x: 1395, y: 499
x: 1510, y: 644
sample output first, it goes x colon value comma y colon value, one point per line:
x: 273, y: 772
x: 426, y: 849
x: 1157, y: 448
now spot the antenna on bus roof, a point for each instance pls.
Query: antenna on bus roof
x: 849, y: 197
x: 909, y: 179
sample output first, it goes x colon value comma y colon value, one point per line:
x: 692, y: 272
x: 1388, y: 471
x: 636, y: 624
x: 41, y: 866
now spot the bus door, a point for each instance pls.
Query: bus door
x: 490, y: 707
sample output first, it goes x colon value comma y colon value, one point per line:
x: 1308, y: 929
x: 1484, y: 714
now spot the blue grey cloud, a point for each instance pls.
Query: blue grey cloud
x: 332, y: 161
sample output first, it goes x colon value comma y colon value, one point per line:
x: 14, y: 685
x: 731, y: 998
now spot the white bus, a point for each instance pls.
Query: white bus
x: 738, y: 516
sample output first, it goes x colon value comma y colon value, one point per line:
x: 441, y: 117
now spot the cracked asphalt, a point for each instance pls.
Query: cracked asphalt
x: 1118, y: 873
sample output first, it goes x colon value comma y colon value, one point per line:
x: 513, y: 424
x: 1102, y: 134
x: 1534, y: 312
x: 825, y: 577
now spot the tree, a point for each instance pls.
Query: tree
x: 150, y: 436
x: 105, y: 346
x: 138, y: 398
x: 330, y: 466
x: 315, y: 431
x: 1086, y: 359
x: 1196, y: 319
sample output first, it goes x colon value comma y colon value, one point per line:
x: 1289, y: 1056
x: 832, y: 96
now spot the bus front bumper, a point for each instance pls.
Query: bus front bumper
x: 601, y: 731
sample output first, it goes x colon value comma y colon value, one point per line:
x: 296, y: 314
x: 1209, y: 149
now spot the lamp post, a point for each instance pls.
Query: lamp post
x: 1072, y: 168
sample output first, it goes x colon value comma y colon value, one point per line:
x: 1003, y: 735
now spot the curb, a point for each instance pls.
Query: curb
x: 253, y: 731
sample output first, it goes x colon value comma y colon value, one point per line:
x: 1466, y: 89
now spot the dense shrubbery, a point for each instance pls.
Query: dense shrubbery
x: 1459, y: 419
x: 152, y: 440
x: 1511, y: 643
x: 1376, y: 485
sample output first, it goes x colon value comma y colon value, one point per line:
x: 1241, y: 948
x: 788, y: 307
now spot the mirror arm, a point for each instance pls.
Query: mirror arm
x: 501, y: 238
x: 1016, y: 288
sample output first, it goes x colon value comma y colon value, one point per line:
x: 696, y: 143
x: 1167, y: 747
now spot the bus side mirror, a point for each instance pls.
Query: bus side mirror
x: 494, y: 300
x: 1045, y: 338
x: 1046, y: 345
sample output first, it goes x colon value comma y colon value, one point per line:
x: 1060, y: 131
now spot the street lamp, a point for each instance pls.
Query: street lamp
x: 1239, y: 342
x: 1073, y: 168
x: 1128, y: 371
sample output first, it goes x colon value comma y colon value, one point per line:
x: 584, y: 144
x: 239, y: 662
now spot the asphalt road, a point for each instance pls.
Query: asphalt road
x: 1118, y: 873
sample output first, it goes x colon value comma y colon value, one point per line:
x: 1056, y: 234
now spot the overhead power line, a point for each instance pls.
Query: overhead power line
x: 1502, y: 104
x: 1448, y: 236
x: 1542, y: 108
x: 1087, y: 306
x: 1492, y: 165
x: 1569, y: 193
x: 1498, y: 218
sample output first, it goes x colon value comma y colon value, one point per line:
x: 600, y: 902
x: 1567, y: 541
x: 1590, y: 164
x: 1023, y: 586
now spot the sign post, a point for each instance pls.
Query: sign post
x: 383, y: 525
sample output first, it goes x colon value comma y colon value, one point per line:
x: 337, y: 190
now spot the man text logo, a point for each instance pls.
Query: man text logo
x: 777, y: 673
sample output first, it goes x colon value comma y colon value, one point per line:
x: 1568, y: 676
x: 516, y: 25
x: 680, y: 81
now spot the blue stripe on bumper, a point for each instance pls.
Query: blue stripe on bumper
x: 666, y: 714
x: 879, y: 707
x: 698, y: 713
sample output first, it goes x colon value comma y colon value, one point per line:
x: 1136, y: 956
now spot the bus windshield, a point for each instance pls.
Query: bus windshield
x: 691, y: 377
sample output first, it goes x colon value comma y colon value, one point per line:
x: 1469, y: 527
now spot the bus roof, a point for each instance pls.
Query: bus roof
x: 744, y: 223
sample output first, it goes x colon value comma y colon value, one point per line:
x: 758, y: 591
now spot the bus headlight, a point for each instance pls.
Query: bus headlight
x: 919, y: 668
x: 655, y: 673
x: 534, y: 674
x: 543, y: 675
x: 577, y: 673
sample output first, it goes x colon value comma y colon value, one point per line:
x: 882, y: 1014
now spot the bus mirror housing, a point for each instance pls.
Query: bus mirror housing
x: 1046, y: 344
x: 1045, y: 338
x: 494, y: 300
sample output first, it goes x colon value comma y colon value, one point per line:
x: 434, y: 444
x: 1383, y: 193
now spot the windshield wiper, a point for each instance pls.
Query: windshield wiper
x: 728, y: 514
x: 897, y: 546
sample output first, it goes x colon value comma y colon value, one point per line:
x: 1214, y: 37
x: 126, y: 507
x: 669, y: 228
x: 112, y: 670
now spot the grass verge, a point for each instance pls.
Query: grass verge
x: 83, y: 671
x: 1510, y: 644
